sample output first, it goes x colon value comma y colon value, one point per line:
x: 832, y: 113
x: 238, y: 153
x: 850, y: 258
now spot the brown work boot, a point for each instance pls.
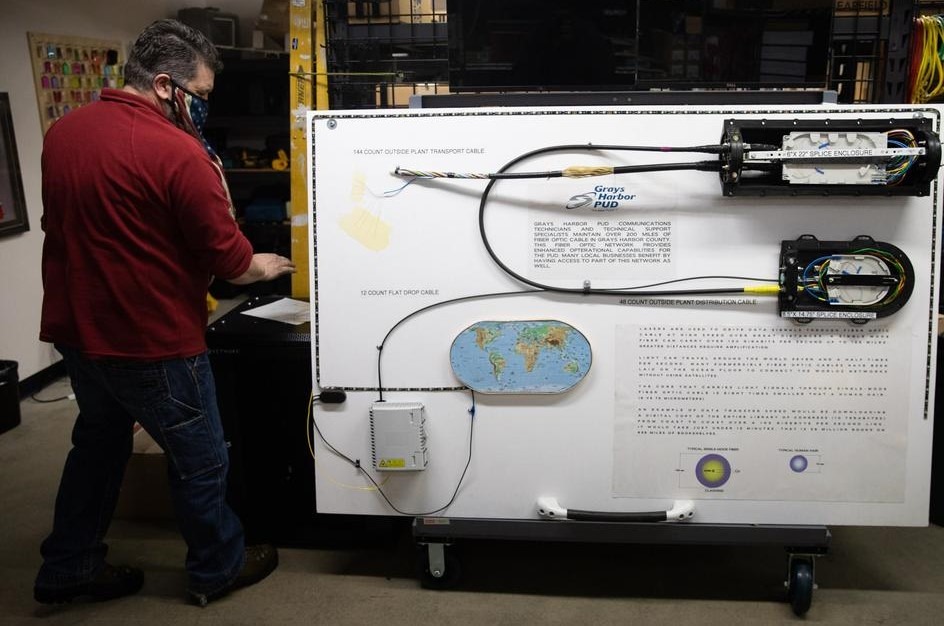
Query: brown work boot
x: 260, y: 561
x: 110, y: 582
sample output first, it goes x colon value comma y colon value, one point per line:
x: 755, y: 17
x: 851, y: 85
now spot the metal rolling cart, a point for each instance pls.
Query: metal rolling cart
x: 440, y: 568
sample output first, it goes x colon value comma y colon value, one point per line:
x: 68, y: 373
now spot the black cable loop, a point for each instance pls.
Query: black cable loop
x: 623, y: 169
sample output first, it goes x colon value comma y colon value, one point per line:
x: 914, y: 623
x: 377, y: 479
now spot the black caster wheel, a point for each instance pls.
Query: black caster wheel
x: 800, y: 585
x: 435, y: 578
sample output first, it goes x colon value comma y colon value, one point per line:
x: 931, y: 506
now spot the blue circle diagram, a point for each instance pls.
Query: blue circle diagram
x: 712, y: 470
x: 799, y: 463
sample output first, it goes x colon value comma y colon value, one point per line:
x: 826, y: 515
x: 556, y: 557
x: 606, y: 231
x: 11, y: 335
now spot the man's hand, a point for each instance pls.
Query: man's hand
x: 265, y: 266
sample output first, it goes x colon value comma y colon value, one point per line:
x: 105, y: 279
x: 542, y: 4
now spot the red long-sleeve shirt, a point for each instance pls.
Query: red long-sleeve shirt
x: 136, y: 222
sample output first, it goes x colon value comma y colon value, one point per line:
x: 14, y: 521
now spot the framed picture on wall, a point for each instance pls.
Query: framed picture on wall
x: 13, y: 218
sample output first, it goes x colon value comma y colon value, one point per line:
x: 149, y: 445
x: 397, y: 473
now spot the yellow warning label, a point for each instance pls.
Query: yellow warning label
x: 392, y: 463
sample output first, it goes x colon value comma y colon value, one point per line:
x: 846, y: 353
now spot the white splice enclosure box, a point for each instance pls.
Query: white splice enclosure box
x: 398, y: 436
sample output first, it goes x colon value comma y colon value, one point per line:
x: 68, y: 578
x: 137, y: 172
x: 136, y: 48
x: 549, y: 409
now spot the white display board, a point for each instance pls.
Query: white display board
x: 825, y: 423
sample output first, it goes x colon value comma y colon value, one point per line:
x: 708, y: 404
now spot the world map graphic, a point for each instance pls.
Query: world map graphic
x: 541, y: 356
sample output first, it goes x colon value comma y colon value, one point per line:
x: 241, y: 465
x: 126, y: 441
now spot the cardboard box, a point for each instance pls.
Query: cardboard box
x: 396, y: 11
x: 145, y: 494
x: 398, y: 96
x: 423, y: 11
x: 273, y: 20
x: 370, y: 11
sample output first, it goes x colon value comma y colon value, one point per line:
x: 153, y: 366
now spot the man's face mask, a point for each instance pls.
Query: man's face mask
x: 191, y: 111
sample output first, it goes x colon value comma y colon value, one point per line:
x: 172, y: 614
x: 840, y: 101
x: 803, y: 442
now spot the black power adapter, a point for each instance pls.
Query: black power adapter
x: 332, y: 396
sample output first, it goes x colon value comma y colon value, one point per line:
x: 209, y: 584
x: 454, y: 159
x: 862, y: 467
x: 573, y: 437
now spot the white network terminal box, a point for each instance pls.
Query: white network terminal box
x: 398, y: 436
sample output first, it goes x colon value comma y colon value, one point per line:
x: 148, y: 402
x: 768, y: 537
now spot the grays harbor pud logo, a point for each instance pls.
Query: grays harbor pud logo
x: 600, y: 198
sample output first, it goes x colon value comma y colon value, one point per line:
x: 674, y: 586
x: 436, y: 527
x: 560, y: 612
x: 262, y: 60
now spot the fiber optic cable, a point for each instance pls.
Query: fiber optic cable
x: 311, y: 422
x: 586, y: 171
x: 586, y: 290
x: 928, y: 59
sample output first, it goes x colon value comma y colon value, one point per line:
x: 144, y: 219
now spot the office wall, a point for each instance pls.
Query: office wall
x: 20, y: 280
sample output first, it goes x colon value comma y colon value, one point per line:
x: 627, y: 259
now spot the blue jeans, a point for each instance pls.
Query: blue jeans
x: 175, y: 402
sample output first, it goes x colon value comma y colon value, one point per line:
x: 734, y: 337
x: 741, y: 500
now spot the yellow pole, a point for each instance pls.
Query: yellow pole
x: 306, y: 17
x: 321, y: 59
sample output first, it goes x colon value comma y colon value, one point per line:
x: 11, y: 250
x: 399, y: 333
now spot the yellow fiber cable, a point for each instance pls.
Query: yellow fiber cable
x: 929, y: 79
x: 921, y: 76
x: 924, y: 68
x: 935, y: 75
x: 935, y: 56
x: 311, y: 449
x: 763, y: 290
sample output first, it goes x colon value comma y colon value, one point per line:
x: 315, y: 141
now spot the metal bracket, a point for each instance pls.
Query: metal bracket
x: 437, y: 559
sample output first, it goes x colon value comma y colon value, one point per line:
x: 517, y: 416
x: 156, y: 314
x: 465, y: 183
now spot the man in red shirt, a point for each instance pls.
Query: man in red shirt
x: 138, y: 221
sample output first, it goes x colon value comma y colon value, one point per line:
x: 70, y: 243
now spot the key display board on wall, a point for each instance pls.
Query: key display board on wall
x: 70, y: 72
x: 627, y: 308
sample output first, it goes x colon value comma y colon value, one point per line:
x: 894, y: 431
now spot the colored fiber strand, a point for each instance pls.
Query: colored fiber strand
x: 813, y: 278
x: 898, y: 167
x: 927, y: 80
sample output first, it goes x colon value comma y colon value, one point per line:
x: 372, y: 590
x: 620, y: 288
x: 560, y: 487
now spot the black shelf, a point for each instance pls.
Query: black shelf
x: 249, y: 113
x: 257, y: 176
x: 217, y: 120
